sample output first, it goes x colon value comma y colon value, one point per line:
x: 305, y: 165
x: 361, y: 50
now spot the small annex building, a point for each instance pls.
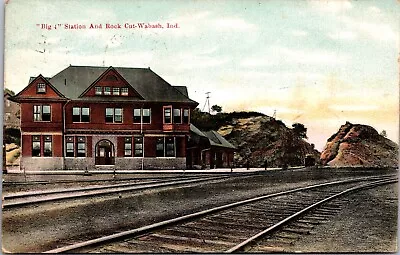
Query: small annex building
x: 208, y: 149
x: 88, y: 117
x: 11, y: 113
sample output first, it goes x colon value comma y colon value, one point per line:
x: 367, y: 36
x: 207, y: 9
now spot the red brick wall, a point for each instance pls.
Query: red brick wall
x: 57, y: 146
x: 98, y: 111
x: 31, y: 91
x: 150, y: 146
x: 120, y: 146
x: 28, y: 125
x: 26, y: 145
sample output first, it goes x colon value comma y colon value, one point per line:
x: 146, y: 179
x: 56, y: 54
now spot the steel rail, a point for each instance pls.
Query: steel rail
x: 252, y: 239
x: 106, y: 192
x: 148, y: 228
x: 50, y: 192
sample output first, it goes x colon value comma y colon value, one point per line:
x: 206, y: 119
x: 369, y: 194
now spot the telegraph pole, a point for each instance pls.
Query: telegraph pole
x: 207, y: 102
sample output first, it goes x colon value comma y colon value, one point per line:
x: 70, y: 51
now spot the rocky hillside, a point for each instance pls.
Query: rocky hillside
x: 359, y: 145
x: 263, y: 139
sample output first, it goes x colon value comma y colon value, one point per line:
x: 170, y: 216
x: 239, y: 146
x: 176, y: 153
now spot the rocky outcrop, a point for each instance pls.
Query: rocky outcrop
x: 359, y: 145
x: 263, y: 140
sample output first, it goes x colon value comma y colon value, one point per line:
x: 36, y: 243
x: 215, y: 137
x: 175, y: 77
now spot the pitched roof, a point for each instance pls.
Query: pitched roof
x: 73, y: 80
x: 182, y: 89
x: 217, y: 140
x: 214, y: 137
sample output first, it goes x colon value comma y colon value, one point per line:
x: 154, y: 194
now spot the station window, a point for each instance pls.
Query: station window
x: 177, y: 116
x: 80, y: 114
x: 36, y: 146
x: 81, y: 146
x: 47, y: 148
x: 41, y: 88
x: 107, y: 91
x: 41, y: 113
x: 116, y: 91
x: 185, y: 117
x: 128, y: 146
x: 69, y: 145
x: 160, y: 147
x: 169, y: 147
x: 138, y: 146
x: 124, y: 91
x: 98, y: 90
x: 143, y: 115
x: 167, y: 115
x: 113, y: 115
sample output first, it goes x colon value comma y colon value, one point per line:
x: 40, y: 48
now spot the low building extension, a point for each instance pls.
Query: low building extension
x: 208, y: 150
x: 89, y: 117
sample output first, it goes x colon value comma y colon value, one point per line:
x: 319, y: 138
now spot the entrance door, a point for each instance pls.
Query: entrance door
x: 105, y: 153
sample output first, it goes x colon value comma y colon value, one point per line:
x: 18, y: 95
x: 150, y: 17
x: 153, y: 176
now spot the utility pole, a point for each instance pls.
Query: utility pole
x: 274, y: 116
x: 207, y: 102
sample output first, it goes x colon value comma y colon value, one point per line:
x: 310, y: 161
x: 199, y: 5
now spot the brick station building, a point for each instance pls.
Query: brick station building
x: 104, y: 118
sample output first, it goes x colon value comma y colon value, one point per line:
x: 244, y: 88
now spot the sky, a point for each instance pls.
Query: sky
x: 320, y: 63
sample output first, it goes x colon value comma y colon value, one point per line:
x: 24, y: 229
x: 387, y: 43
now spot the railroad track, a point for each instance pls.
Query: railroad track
x: 31, y: 198
x: 235, y: 227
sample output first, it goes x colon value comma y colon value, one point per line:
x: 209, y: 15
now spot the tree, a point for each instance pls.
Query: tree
x: 12, y: 93
x: 216, y: 108
x: 300, y: 130
x: 383, y: 133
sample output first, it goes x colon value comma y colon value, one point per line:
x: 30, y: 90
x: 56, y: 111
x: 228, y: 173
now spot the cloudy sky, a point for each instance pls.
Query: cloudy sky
x: 320, y: 63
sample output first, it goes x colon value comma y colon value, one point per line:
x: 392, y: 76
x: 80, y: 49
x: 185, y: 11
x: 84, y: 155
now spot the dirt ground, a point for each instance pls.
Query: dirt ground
x: 367, y: 224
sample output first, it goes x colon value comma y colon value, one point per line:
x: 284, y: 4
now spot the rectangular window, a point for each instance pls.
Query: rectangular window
x: 136, y: 115
x: 47, y: 151
x: 128, y: 146
x: 46, y: 116
x: 124, y: 91
x: 185, y: 116
x: 169, y: 147
x: 76, y: 114
x: 107, y: 91
x: 116, y: 91
x: 138, y: 146
x: 98, y: 90
x: 118, y: 115
x: 85, y: 114
x: 41, y: 88
x: 177, y: 116
x: 80, y: 114
x: 41, y: 113
x: 36, y: 146
x: 167, y: 115
x: 109, y: 115
x: 146, y: 116
x: 69, y: 145
x: 143, y: 115
x: 114, y: 115
x: 160, y: 147
x: 81, y: 146
x: 37, y: 113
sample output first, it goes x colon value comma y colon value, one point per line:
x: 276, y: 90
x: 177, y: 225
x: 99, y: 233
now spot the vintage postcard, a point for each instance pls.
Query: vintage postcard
x: 257, y: 126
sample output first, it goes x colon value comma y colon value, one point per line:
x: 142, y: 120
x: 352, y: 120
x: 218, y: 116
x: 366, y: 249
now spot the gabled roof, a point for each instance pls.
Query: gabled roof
x: 217, y: 140
x: 46, y: 80
x: 214, y: 137
x: 73, y: 80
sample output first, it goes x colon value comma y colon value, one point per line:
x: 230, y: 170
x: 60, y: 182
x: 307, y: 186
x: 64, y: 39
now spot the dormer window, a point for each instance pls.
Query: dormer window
x: 41, y: 88
x: 124, y: 91
x: 107, y: 91
x: 98, y: 90
x: 116, y: 91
